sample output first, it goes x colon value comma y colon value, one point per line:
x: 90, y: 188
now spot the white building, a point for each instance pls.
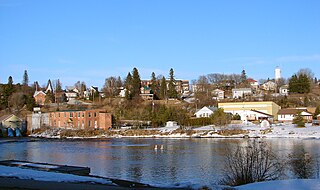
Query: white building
x: 205, y: 111
x: 277, y: 73
x: 284, y: 90
x: 287, y: 115
x: 241, y: 92
x: 218, y: 94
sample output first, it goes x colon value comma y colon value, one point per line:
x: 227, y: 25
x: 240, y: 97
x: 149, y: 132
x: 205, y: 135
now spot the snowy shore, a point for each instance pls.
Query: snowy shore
x: 232, y: 131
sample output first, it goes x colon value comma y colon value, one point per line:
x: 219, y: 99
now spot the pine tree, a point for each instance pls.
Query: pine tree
x: 243, y: 76
x: 172, y: 92
x: 163, y: 88
x: 136, y: 83
x: 153, y: 85
x: 25, y: 81
x: 128, y: 86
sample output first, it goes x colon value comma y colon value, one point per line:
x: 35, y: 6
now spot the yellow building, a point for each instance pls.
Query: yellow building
x: 244, y: 109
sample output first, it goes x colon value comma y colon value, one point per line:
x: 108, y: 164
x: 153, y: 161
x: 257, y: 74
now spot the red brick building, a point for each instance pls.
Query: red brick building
x: 81, y: 119
x: 39, y: 97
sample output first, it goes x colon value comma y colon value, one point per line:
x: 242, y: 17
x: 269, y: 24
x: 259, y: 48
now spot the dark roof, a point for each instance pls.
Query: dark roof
x: 262, y: 113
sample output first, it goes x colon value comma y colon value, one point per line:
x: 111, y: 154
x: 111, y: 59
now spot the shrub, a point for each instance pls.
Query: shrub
x: 253, y: 163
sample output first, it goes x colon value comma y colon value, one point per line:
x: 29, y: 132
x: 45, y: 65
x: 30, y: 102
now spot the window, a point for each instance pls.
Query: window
x: 95, y: 114
x: 82, y: 114
x: 58, y: 114
x: 79, y: 114
x: 71, y: 114
x: 65, y: 114
x: 89, y: 114
x: 89, y: 124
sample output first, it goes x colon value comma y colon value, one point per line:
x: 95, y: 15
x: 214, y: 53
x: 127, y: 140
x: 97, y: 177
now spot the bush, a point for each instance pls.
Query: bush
x: 253, y: 163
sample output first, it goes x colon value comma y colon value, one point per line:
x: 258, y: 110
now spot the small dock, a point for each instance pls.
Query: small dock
x: 76, y: 170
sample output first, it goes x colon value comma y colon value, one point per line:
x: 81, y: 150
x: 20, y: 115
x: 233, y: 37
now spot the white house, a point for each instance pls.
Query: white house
x: 287, y: 115
x: 218, y: 94
x: 206, y: 111
x: 284, y: 90
x: 269, y: 86
x: 253, y: 83
x: 241, y: 92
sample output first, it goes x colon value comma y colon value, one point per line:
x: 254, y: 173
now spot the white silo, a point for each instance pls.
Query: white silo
x: 277, y: 73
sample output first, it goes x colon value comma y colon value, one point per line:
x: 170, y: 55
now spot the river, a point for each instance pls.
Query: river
x: 181, y: 161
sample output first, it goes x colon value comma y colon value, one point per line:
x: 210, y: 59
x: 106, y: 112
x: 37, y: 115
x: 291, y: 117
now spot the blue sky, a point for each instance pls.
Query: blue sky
x: 89, y: 41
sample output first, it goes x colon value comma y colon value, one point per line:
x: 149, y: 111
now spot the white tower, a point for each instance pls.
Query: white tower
x: 277, y: 73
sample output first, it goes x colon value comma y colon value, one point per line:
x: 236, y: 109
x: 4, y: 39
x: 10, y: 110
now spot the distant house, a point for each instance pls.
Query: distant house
x: 71, y: 95
x: 287, y: 115
x: 206, y: 111
x: 253, y: 83
x: 269, y: 86
x: 39, y: 97
x: 241, y: 92
x: 218, y: 94
x: 284, y: 90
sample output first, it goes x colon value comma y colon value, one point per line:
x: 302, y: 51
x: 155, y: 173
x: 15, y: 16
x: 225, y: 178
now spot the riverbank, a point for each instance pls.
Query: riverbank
x: 231, y: 131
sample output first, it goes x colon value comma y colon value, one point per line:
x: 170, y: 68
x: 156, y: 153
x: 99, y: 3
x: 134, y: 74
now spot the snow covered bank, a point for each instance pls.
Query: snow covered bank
x: 231, y: 131
x: 292, y: 184
x: 22, y: 173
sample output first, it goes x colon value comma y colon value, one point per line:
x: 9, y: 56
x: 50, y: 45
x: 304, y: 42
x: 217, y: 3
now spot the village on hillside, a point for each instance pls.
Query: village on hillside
x: 132, y: 103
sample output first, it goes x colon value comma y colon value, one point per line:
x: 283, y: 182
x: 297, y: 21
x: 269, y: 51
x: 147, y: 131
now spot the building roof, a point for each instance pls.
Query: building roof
x: 36, y: 93
x: 260, y: 112
x: 292, y: 111
x: 242, y: 89
x: 10, y: 116
x: 251, y: 80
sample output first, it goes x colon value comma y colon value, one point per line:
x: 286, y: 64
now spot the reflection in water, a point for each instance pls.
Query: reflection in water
x: 196, y: 161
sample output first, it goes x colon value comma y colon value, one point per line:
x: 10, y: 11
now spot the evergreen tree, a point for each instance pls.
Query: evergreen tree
x: 136, y: 83
x: 25, y: 81
x: 299, y: 84
x: 243, y: 76
x: 293, y: 83
x: 316, y: 112
x: 172, y: 92
x: 128, y: 86
x: 7, y: 91
x: 163, y: 88
x: 153, y: 85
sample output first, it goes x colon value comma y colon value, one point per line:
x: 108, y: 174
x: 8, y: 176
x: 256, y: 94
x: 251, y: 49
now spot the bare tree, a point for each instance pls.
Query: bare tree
x: 253, y: 163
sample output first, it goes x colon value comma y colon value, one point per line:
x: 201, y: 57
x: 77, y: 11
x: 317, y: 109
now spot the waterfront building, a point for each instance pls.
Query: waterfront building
x: 248, y: 110
x: 287, y: 115
x: 81, y: 119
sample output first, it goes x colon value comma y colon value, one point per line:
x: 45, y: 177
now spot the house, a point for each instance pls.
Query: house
x: 39, y: 97
x: 206, y: 111
x: 248, y: 110
x: 241, y: 92
x: 287, y: 115
x: 269, y: 86
x: 10, y: 121
x: 71, y: 95
x: 284, y: 90
x: 81, y: 119
x: 218, y: 94
x: 253, y: 83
